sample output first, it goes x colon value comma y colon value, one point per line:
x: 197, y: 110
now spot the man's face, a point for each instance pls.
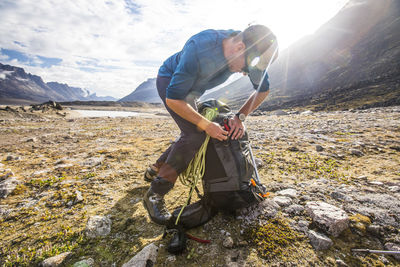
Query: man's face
x: 236, y: 61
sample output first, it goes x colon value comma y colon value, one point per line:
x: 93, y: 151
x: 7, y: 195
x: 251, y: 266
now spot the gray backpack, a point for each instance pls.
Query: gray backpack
x: 229, y: 180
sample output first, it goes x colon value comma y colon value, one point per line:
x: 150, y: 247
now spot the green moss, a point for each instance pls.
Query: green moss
x: 19, y: 189
x: 42, y: 183
x: 359, y: 222
x: 274, y: 239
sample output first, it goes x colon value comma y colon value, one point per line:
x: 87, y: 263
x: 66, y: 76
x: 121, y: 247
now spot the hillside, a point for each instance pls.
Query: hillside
x: 351, y: 61
x: 145, y: 92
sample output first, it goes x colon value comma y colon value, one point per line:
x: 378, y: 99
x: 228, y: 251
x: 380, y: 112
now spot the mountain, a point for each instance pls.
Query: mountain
x: 67, y: 91
x: 350, y: 61
x: 233, y: 94
x: 17, y: 86
x: 145, y: 92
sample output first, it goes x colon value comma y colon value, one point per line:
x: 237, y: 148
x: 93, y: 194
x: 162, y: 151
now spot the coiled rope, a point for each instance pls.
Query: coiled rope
x: 195, y: 170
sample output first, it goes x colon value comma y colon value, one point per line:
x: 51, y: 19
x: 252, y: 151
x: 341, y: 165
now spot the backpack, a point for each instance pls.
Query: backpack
x: 229, y: 180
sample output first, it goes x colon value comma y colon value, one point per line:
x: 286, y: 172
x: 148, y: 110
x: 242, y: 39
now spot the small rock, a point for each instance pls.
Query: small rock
x: 56, y: 260
x: 362, y: 177
x: 341, y: 263
x: 232, y: 258
x: 171, y: 258
x: 84, y: 263
x: 356, y: 152
x: 9, y: 157
x: 375, y: 230
x: 375, y: 183
x: 228, y: 242
x: 319, y: 148
x: 341, y: 196
x: 7, y: 186
x: 294, y: 209
x: 302, y: 226
x: 287, y: 193
x: 305, y: 198
x: 307, y: 112
x: 4, y: 211
x: 393, y: 247
x: 32, y: 139
x: 146, y: 257
x: 282, y: 201
x: 328, y: 217
x: 394, y: 189
x: 98, y: 226
x: 280, y: 113
x: 78, y: 197
x: 8, y: 173
x: 92, y: 162
x: 293, y: 149
x: 259, y: 162
x: 319, y: 241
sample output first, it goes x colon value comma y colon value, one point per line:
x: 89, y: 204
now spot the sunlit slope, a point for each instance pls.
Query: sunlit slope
x: 351, y: 61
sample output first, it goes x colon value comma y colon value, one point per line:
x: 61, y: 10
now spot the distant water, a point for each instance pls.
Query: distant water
x: 106, y: 113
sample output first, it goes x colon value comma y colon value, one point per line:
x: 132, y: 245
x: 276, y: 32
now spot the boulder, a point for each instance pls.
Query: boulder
x: 146, y: 257
x: 287, y: 193
x: 7, y: 186
x: 98, y: 226
x: 283, y: 201
x: 294, y: 209
x: 319, y: 241
x: 265, y: 210
x: 56, y: 260
x: 84, y: 263
x: 327, y: 217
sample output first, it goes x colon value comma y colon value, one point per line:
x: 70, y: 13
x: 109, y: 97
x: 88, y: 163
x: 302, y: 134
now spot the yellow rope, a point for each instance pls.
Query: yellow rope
x: 195, y: 170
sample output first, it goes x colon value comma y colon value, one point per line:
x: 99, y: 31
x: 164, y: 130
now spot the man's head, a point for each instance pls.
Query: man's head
x: 252, y: 51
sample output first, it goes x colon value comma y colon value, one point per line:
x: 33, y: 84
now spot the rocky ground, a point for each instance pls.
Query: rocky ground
x: 72, y: 188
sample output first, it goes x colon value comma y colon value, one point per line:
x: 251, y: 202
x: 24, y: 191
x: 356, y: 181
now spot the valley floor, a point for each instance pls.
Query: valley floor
x: 68, y: 169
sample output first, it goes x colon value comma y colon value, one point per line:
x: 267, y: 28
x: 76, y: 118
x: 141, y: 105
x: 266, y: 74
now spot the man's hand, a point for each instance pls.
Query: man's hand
x: 237, y: 128
x: 215, y: 131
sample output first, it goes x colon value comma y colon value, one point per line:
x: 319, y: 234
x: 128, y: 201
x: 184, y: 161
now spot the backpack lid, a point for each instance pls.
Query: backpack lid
x: 220, y: 106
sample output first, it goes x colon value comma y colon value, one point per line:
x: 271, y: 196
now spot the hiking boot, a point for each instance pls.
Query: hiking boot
x: 177, y: 244
x: 155, y: 205
x: 150, y: 174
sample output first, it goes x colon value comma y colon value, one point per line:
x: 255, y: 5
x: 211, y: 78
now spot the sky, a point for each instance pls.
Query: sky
x: 111, y: 46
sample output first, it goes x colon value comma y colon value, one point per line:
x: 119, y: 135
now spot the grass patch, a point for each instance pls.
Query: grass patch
x: 42, y: 183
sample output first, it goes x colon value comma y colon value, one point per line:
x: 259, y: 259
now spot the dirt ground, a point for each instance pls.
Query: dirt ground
x: 57, y: 157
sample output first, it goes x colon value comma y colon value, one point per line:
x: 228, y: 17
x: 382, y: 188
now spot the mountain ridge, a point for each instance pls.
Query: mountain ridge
x: 145, y: 92
x: 18, y: 86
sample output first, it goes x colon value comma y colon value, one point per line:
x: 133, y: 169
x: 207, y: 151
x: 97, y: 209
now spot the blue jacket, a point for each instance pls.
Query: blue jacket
x: 200, y: 66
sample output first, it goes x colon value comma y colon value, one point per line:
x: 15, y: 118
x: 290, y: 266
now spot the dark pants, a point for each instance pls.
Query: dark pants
x: 178, y: 156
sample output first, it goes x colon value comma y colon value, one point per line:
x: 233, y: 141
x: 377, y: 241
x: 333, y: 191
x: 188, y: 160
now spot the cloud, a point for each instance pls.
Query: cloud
x: 112, y: 46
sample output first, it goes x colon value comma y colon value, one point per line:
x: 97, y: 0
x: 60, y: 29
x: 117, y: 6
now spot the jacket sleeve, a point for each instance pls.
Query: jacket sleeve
x: 185, y: 74
x: 265, y: 83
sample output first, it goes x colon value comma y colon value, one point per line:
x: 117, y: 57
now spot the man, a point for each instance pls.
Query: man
x: 206, y: 60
